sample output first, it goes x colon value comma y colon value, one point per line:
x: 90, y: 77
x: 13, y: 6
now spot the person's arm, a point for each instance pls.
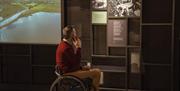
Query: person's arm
x: 62, y: 61
x: 78, y: 57
x: 71, y: 60
x: 77, y: 44
x: 78, y: 54
x: 58, y: 55
x: 85, y: 67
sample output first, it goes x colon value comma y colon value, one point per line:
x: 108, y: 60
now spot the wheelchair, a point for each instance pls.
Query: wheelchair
x: 71, y: 83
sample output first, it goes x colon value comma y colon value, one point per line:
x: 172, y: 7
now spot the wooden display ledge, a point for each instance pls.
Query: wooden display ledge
x: 106, y: 68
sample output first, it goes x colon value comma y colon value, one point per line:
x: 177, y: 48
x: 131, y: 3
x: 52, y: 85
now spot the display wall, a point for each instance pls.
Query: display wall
x: 116, y: 43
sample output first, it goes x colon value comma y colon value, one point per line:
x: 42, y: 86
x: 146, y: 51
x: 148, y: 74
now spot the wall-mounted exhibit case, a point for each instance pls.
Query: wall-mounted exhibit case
x: 116, y: 44
x: 135, y: 46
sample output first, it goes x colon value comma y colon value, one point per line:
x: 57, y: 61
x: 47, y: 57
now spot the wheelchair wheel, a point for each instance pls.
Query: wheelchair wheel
x: 68, y: 83
x: 88, y: 84
x: 92, y: 89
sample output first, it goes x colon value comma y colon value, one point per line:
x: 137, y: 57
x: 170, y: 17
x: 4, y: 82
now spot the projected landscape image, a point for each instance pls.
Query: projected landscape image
x: 30, y: 21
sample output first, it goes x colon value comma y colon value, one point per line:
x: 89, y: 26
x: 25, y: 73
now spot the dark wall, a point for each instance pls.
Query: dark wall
x: 160, y: 45
x: 177, y: 45
x: 78, y: 14
x: 26, y: 64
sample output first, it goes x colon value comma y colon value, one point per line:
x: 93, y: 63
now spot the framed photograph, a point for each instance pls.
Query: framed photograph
x: 135, y: 62
x: 99, y: 17
x: 117, y: 33
x: 124, y: 8
x: 99, y: 4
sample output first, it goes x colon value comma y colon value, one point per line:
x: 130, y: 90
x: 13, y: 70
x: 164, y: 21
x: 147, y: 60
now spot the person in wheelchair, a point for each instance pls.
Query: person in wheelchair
x: 68, y: 56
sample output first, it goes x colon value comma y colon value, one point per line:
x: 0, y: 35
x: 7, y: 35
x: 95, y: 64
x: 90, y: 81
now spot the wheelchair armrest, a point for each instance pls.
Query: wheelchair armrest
x: 58, y: 72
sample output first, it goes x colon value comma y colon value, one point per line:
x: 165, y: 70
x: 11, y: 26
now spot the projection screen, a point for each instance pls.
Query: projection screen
x: 30, y: 21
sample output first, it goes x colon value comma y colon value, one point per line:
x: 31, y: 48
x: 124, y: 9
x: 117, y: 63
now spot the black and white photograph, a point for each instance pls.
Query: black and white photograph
x: 124, y: 8
x: 99, y: 4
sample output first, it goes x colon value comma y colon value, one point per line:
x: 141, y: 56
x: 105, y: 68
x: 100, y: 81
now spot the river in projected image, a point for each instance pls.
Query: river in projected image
x: 30, y: 22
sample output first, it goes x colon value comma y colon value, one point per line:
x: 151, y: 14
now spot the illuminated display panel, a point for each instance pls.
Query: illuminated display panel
x: 30, y: 21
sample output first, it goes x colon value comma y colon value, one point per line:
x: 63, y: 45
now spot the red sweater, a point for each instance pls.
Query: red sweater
x: 67, y: 58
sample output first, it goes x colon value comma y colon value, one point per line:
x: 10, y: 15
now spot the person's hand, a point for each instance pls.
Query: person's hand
x: 77, y: 42
x: 86, y: 68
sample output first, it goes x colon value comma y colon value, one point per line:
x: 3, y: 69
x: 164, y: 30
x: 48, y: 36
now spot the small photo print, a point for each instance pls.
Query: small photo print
x: 99, y: 4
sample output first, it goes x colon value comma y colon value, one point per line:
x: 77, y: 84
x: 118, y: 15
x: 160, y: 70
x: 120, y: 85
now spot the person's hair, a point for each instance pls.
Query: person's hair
x: 67, y: 31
